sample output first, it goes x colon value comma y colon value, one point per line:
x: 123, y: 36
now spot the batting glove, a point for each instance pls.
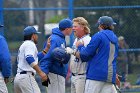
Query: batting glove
x: 70, y: 51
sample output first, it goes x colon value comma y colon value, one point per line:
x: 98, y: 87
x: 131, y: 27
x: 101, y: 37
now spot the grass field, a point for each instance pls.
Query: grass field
x: 131, y: 78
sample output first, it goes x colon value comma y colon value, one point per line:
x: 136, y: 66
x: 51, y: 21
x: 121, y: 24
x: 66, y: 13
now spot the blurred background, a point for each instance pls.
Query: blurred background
x: 45, y: 14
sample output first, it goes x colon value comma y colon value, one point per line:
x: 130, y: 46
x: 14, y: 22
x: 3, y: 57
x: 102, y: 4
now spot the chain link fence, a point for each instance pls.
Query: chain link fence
x: 19, y: 14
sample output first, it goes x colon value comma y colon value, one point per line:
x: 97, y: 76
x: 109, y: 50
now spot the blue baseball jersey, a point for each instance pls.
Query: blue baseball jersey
x: 101, y: 54
x: 5, y: 60
x: 47, y: 63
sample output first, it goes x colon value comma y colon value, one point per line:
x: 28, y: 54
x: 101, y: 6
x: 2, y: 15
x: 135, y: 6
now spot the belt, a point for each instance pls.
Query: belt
x: 74, y: 74
x: 25, y: 72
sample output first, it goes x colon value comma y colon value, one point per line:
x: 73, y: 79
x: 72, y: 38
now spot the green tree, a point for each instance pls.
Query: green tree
x: 127, y: 18
x: 14, y: 22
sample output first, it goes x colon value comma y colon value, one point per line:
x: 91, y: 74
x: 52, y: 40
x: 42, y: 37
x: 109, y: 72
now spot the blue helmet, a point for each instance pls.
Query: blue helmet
x: 59, y: 54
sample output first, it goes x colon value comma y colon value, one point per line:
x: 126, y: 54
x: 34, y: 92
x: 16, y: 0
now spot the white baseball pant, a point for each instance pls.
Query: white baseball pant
x: 57, y: 83
x: 25, y: 83
x: 78, y: 83
x: 93, y: 86
x: 3, y: 88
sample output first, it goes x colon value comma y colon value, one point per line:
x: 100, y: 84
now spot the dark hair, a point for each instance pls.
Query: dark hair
x: 105, y: 27
x: 28, y: 37
x: 62, y: 29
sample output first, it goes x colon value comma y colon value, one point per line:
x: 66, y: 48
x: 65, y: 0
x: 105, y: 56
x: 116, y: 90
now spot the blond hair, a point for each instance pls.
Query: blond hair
x: 82, y: 21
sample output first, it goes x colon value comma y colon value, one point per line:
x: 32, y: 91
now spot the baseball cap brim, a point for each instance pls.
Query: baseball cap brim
x: 114, y: 23
x: 37, y: 32
x: 97, y: 24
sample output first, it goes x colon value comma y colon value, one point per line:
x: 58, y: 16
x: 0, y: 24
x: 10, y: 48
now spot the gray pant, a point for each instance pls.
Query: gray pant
x: 78, y: 83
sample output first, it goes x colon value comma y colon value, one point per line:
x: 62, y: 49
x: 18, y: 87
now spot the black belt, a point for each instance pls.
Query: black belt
x: 77, y: 74
x: 25, y: 72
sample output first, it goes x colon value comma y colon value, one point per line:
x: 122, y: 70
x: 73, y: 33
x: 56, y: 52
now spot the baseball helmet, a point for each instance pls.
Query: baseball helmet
x: 59, y: 54
x: 105, y: 20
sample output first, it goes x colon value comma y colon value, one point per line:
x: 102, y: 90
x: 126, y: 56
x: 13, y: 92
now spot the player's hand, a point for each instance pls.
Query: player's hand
x: 48, y: 43
x: 117, y: 80
x: 6, y: 80
x: 78, y: 43
x: 43, y: 76
x: 69, y: 50
x: 47, y: 46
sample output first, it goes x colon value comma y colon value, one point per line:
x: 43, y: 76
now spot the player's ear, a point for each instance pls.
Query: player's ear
x: 33, y: 36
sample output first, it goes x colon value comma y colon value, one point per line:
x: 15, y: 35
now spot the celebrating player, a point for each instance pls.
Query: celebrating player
x: 5, y: 64
x: 55, y: 70
x: 101, y: 54
x: 78, y: 69
x: 28, y: 64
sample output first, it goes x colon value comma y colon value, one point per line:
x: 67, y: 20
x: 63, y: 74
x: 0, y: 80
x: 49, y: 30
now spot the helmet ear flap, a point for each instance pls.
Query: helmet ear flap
x: 59, y: 55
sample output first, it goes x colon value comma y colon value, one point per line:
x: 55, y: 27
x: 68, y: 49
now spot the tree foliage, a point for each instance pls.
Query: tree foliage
x: 127, y: 19
x: 14, y: 22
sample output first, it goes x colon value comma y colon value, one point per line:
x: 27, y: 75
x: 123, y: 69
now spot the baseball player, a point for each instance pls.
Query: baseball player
x: 77, y: 67
x: 5, y: 64
x: 101, y: 54
x: 56, y: 71
x: 28, y: 64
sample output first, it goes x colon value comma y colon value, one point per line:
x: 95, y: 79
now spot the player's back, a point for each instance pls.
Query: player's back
x: 26, y: 49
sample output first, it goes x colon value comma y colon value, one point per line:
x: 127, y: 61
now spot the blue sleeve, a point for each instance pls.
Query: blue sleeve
x: 30, y: 59
x: 40, y: 54
x: 46, y: 62
x: 5, y: 60
x: 86, y: 53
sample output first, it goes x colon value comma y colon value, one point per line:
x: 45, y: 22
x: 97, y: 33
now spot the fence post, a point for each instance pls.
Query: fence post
x: 71, y: 17
x: 1, y: 17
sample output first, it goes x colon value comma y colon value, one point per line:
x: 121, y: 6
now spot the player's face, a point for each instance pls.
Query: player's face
x: 35, y: 38
x: 100, y: 28
x: 121, y: 43
x: 78, y: 30
x: 68, y: 31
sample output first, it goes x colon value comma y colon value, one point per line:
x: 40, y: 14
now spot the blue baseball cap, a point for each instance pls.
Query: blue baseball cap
x: 65, y: 23
x: 30, y: 30
x: 105, y: 20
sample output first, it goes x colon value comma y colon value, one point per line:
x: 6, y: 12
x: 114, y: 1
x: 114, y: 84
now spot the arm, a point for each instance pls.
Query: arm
x: 42, y: 53
x: 86, y: 53
x: 5, y: 61
x: 46, y: 61
x: 31, y: 61
x: 41, y: 73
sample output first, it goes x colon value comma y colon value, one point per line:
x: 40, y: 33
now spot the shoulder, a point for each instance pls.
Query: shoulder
x: 87, y: 37
x: 55, y: 37
x: 97, y: 35
x: 29, y: 44
x: 2, y: 38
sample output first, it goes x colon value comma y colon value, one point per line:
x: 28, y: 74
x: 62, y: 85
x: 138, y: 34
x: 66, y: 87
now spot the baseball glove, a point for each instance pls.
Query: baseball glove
x: 46, y: 83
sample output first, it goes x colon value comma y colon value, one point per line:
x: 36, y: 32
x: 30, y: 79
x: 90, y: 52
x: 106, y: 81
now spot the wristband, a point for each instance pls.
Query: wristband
x: 44, y: 51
